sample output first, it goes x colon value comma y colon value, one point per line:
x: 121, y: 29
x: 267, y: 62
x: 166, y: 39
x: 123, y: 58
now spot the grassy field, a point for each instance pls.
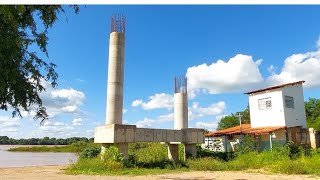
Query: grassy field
x: 151, y: 158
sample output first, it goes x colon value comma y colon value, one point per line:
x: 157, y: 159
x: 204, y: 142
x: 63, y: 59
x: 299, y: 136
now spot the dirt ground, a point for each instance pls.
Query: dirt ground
x: 57, y: 172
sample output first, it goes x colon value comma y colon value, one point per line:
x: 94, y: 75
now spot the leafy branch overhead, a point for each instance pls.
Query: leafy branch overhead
x: 23, y: 28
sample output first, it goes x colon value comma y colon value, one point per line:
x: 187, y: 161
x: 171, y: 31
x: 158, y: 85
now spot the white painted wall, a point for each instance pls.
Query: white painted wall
x: 297, y: 115
x: 267, y: 117
x: 278, y: 115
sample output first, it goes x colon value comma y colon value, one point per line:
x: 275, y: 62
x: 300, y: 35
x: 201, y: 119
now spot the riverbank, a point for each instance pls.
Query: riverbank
x: 57, y: 172
x: 75, y: 147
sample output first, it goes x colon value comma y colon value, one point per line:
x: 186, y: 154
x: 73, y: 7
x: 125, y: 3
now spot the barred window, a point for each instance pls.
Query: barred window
x: 265, y: 103
x: 289, y: 103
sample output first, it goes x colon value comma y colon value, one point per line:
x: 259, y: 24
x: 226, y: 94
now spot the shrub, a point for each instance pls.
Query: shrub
x: 90, y: 152
x: 153, y: 152
x: 112, y: 154
x: 246, y: 145
x: 295, y: 151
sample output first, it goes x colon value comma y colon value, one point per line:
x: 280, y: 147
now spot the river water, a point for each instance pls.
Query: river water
x: 22, y: 159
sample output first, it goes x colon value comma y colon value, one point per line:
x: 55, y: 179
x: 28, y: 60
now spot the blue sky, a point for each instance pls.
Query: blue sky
x: 223, y: 50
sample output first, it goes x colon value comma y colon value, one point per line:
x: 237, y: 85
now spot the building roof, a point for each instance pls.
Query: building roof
x: 275, y: 87
x: 245, y: 129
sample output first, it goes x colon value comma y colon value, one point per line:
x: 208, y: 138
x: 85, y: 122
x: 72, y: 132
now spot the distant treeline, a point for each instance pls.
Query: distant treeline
x: 43, y: 141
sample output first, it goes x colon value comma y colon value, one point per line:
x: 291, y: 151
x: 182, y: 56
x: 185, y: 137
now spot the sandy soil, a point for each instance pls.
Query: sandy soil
x: 56, y: 172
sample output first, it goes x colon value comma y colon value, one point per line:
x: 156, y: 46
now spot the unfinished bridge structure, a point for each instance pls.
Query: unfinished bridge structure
x: 118, y: 134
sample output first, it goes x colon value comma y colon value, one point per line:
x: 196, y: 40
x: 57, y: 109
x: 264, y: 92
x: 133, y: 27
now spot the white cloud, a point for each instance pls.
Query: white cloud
x: 8, y: 122
x: 206, y: 125
x: 213, y: 109
x: 58, y: 101
x: 55, y: 128
x: 237, y: 74
x: 77, y: 122
x: 124, y: 110
x: 271, y: 69
x: 196, y: 111
x: 136, y: 103
x: 9, y: 130
x: 299, y: 67
x: 158, y: 101
x: 145, y: 123
x: 219, y: 117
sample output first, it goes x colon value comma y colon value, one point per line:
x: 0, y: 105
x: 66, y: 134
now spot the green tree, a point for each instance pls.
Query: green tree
x: 228, y: 121
x: 313, y: 113
x: 233, y: 119
x: 23, y: 30
x: 245, y: 115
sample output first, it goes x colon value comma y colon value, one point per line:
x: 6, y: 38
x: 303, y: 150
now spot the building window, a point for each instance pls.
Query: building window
x: 265, y: 103
x: 289, y: 103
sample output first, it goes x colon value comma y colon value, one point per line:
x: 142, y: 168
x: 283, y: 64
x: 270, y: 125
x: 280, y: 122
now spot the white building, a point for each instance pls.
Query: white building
x: 281, y: 105
x: 277, y: 115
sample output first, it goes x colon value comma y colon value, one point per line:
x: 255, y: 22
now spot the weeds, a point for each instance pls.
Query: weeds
x: 151, y: 158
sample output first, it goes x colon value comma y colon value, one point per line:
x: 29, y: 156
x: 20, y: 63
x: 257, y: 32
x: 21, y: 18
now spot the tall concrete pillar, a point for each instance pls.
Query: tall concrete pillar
x: 180, y: 104
x: 180, y: 111
x: 115, y: 71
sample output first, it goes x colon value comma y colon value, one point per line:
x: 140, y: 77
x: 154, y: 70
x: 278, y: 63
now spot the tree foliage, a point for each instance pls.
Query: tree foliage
x: 43, y: 141
x: 233, y: 119
x: 313, y: 113
x: 23, y: 33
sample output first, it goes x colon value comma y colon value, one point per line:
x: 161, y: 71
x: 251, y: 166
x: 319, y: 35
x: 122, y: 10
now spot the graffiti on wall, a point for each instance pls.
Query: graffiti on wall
x: 215, y: 145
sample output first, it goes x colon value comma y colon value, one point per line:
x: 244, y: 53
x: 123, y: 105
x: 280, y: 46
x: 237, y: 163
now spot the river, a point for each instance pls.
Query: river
x: 22, y: 159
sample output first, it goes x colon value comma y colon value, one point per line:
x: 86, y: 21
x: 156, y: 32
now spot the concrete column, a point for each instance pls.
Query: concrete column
x: 173, y: 152
x: 115, y: 78
x: 312, y: 136
x: 190, y: 150
x: 104, y: 146
x: 180, y: 110
x: 123, y: 148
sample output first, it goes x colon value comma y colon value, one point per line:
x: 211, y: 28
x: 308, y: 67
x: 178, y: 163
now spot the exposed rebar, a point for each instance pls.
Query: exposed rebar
x: 180, y: 84
x: 118, y: 23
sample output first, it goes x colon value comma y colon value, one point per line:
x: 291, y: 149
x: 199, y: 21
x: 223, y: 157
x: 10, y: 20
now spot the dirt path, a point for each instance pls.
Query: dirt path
x: 56, y: 172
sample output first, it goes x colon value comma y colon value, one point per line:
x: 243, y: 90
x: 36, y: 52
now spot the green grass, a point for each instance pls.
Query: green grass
x: 276, y: 161
x: 151, y: 158
x: 96, y: 166
x: 74, y: 147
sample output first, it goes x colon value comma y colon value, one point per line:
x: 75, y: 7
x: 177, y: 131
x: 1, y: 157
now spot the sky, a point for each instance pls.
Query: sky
x: 223, y: 50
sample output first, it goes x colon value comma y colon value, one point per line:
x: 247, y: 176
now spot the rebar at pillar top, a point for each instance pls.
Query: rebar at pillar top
x: 180, y: 84
x: 118, y: 23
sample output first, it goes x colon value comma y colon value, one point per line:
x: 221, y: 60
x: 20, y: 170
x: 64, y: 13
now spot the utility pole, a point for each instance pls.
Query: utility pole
x: 239, y: 115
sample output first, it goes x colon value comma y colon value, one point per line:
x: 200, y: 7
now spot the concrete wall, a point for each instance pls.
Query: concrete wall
x: 294, y: 116
x: 265, y: 140
x: 262, y: 142
x: 116, y: 133
x: 115, y: 78
x: 267, y: 117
